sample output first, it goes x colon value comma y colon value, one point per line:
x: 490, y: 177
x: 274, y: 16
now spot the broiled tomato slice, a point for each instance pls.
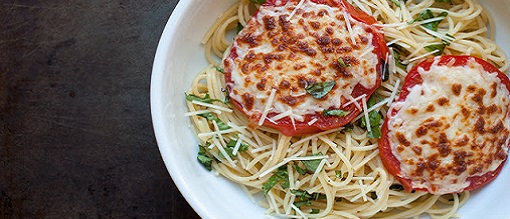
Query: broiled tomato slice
x: 293, y: 62
x: 449, y: 129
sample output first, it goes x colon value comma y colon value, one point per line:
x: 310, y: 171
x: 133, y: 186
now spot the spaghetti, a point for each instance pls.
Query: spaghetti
x: 335, y: 173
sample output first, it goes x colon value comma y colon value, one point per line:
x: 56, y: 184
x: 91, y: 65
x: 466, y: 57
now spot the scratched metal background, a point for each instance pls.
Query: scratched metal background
x: 76, y: 138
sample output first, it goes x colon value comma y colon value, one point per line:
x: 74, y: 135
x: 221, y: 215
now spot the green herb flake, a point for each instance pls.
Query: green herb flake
x: 312, y: 165
x: 305, y: 198
x: 342, y: 63
x: 339, y: 113
x: 439, y: 48
x: 239, y: 27
x: 301, y: 194
x: 209, y: 116
x: 230, y: 148
x: 220, y: 69
x: 318, y: 196
x: 242, y: 148
x: 444, y: 1
x: 299, y: 204
x: 397, y: 54
x: 315, y: 211
x: 338, y: 174
x: 258, y: 1
x: 205, y: 99
x: 319, y: 90
x: 396, y: 3
x: 347, y: 128
x: 374, y: 118
x: 204, y: 159
x: 427, y: 14
x: 299, y: 169
x: 280, y: 175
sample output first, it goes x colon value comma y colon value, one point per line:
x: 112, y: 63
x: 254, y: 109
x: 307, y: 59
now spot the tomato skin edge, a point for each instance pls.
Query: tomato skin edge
x: 390, y: 162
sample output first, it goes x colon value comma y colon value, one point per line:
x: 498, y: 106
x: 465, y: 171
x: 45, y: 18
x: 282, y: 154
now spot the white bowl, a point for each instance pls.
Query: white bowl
x: 180, y: 56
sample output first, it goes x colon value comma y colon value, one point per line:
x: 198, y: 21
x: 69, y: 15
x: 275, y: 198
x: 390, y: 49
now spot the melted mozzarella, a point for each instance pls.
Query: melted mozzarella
x: 452, y: 126
x: 273, y: 52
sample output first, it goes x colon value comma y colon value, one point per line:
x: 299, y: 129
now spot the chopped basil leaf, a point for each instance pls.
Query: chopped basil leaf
x: 396, y: 187
x: 338, y: 174
x: 433, y: 25
x: 396, y: 55
x: 427, y: 14
x: 444, y: 1
x: 318, y: 196
x: 305, y: 198
x: 239, y: 27
x: 204, y: 159
x: 312, y: 165
x: 301, y: 194
x: 446, y: 42
x: 205, y: 99
x: 397, y: 3
x: 298, y: 204
x: 227, y: 97
x: 220, y: 69
x: 209, y: 116
x: 304, y: 195
x: 230, y: 148
x: 342, y: 63
x: 340, y: 113
x: 243, y: 147
x: 299, y: 169
x: 439, y: 48
x: 347, y: 128
x: 314, y: 211
x: 280, y: 175
x: 258, y: 1
x: 374, y: 118
x: 319, y: 90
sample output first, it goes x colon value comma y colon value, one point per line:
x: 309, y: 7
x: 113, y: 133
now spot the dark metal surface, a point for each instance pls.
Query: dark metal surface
x: 76, y: 137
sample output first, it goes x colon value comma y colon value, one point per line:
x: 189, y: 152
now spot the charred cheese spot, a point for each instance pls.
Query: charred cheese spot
x: 417, y: 150
x: 275, y: 52
x: 462, y: 141
x: 413, y: 111
x: 456, y: 89
x: 262, y: 84
x: 402, y: 139
x: 269, y: 22
x: 460, y: 123
x: 421, y: 131
x: 494, y: 90
x: 248, y: 101
x: 284, y: 85
x: 493, y: 108
x: 289, y: 100
x: 443, y: 101
x: 430, y: 108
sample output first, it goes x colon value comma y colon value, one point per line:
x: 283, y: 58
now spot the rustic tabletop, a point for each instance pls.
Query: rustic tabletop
x: 76, y: 132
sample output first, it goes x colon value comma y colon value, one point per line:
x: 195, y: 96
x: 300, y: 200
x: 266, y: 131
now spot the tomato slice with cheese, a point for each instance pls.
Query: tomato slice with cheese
x: 295, y: 60
x: 449, y: 129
